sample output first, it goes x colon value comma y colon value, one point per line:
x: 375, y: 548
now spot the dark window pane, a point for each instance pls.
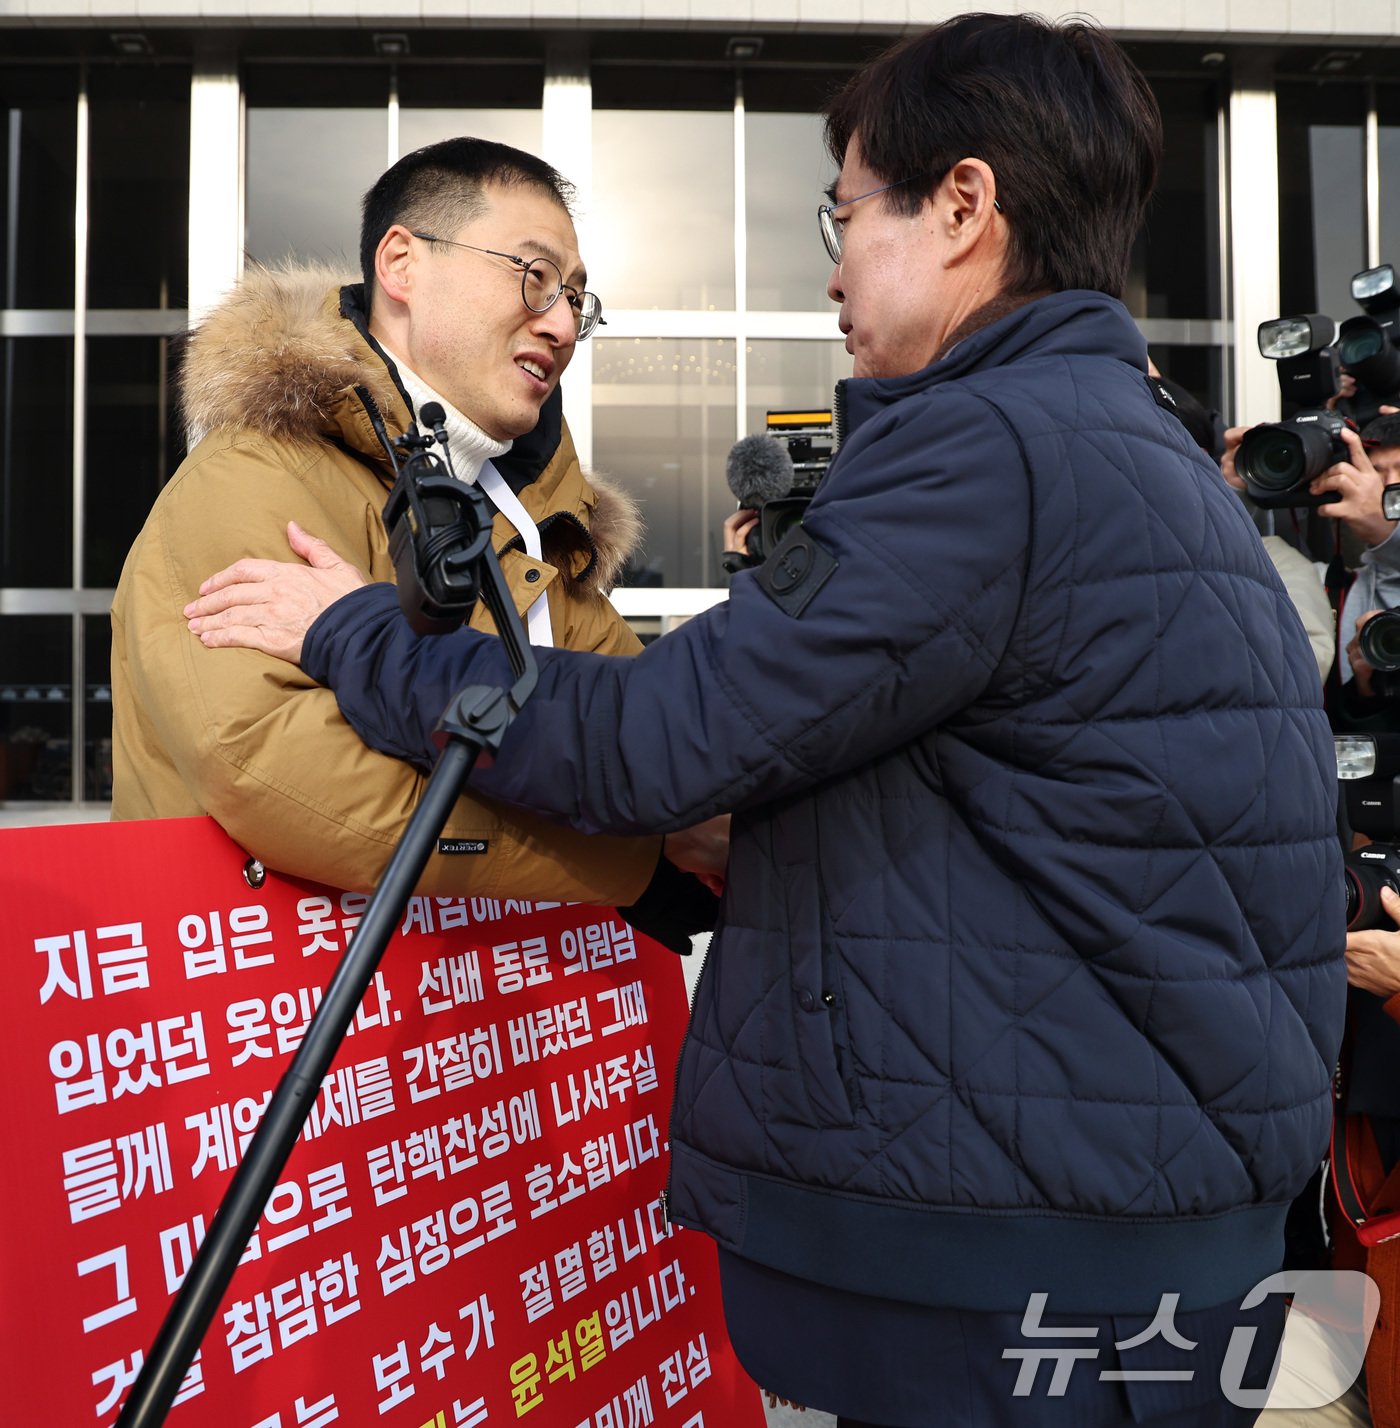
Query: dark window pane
x: 1175, y: 266
x: 316, y: 141
x: 1388, y: 113
x: 97, y: 716
x: 36, y: 461
x: 1321, y: 179
x: 35, y: 718
x: 486, y: 86
x: 138, y: 191
x: 37, y: 177
x: 663, y: 423
x: 134, y: 443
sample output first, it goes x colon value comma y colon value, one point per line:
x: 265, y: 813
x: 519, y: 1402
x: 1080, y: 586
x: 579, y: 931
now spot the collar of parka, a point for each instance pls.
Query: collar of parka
x: 288, y: 355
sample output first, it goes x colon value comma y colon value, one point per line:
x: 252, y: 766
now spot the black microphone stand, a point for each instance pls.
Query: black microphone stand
x: 441, y: 542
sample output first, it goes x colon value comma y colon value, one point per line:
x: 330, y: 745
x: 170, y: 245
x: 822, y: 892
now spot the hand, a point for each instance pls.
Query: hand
x: 269, y: 605
x: 702, y: 850
x: 737, y: 528
x: 1359, y: 485
x: 1373, y: 957
x: 1233, y: 436
x: 1361, y: 671
x: 1346, y: 387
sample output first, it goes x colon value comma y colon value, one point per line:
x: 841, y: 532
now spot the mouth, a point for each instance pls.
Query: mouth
x: 537, y: 367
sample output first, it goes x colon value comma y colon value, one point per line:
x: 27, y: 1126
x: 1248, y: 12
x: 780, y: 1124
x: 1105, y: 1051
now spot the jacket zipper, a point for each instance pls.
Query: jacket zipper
x: 675, y: 1088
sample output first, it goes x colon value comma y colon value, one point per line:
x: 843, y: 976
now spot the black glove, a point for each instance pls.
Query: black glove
x: 672, y: 906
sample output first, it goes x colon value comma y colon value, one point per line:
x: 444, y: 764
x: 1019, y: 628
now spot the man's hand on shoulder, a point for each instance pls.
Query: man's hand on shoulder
x: 269, y: 605
x: 702, y: 850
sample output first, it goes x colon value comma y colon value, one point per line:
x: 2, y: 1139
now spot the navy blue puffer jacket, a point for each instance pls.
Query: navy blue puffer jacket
x: 1029, y: 968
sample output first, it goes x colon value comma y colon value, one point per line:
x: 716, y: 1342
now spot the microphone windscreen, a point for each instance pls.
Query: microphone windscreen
x: 432, y: 415
x: 759, y: 469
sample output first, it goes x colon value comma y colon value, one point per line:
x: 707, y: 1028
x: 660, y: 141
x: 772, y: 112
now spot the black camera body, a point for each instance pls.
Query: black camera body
x: 1279, y: 460
x: 1369, y: 769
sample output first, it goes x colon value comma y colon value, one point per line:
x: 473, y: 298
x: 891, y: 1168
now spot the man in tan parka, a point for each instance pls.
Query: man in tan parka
x: 473, y: 297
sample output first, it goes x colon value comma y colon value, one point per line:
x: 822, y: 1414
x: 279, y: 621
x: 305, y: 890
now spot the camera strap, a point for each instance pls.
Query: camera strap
x: 1347, y: 1156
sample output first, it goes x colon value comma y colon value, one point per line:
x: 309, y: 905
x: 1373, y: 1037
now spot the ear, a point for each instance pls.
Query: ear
x: 394, y: 263
x: 966, y: 201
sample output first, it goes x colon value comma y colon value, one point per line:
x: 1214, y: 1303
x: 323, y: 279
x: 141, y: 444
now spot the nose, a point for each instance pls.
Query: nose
x: 834, y: 290
x: 556, y: 324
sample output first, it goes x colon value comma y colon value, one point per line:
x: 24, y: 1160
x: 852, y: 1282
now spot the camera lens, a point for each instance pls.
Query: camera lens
x: 1365, y: 872
x: 1380, y: 640
x: 1281, y: 456
x: 1272, y: 458
x: 1366, y: 352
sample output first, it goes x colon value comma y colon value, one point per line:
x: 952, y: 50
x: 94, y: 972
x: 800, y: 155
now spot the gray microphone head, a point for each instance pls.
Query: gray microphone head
x: 759, y: 469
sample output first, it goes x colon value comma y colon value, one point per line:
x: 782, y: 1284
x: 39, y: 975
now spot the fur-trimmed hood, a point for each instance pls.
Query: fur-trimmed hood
x: 288, y: 355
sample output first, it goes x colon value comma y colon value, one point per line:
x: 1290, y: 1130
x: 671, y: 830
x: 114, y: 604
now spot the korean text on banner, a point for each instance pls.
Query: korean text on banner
x: 468, y: 1230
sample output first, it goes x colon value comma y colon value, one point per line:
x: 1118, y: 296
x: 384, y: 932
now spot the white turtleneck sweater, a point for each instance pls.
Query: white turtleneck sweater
x: 472, y: 453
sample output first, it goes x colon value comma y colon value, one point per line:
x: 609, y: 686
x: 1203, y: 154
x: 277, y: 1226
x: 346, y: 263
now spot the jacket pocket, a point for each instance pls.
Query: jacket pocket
x: 817, y: 1006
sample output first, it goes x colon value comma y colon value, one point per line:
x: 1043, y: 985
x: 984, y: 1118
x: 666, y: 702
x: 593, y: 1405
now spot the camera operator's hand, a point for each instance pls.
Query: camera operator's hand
x: 737, y: 528
x: 1361, y: 671
x: 1233, y: 436
x: 1373, y: 957
x: 1359, y: 485
x: 269, y: 605
x: 1346, y: 388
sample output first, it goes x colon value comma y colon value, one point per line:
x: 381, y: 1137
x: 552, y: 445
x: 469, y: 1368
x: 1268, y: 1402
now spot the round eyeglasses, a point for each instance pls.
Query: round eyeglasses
x: 541, y: 283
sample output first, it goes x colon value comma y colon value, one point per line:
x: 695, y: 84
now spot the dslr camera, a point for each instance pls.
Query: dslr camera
x: 1278, y: 460
x: 1368, y: 766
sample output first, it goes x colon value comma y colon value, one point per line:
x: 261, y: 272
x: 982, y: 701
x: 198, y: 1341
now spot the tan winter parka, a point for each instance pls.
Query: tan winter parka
x: 281, y: 378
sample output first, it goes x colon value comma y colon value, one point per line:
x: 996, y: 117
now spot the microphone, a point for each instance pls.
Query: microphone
x: 759, y: 469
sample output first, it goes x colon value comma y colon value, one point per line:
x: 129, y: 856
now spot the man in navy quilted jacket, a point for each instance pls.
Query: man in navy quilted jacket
x: 1014, y: 1043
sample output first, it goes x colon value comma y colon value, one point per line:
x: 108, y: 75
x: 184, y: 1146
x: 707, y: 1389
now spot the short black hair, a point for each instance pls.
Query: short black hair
x: 1063, y: 117
x: 1382, y: 431
x: 438, y: 188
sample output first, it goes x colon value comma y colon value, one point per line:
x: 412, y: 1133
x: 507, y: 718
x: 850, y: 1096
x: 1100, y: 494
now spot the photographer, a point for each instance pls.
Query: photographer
x: 1020, y: 1020
x: 1377, y: 583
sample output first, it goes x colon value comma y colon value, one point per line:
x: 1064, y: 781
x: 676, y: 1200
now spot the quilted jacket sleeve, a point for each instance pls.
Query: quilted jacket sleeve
x: 915, y: 576
x: 259, y: 746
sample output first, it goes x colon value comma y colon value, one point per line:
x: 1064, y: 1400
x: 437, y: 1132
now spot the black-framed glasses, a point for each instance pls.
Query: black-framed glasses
x: 541, y: 283
x: 833, y: 227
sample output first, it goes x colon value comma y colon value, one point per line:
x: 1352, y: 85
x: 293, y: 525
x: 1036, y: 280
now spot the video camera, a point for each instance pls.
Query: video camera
x: 777, y: 474
x: 1278, y: 460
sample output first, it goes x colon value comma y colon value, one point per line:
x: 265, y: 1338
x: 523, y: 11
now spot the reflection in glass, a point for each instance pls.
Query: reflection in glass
x: 1388, y: 113
x: 138, y: 190
x: 134, y: 444
x: 38, y: 147
x: 786, y: 171
x: 35, y: 716
x: 1322, y: 214
x: 663, y: 423
x: 97, y: 708
x: 308, y: 170
x: 791, y: 374
x: 1174, y: 271
x: 663, y: 209
x: 520, y: 128
x: 36, y: 461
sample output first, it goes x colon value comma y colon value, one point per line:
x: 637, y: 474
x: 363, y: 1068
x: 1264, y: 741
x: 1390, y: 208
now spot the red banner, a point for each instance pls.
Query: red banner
x: 468, y: 1231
